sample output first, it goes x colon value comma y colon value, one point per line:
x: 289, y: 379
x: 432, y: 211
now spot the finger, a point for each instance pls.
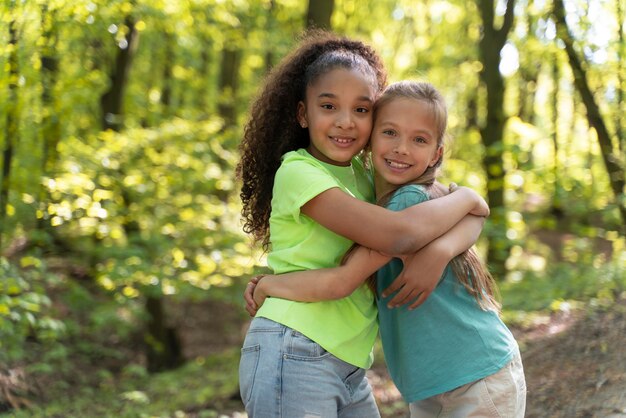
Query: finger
x: 453, y: 187
x: 420, y: 299
x: 395, y: 285
x: 252, y: 304
x: 404, y: 296
x: 248, y: 294
x: 251, y: 310
x: 257, y: 279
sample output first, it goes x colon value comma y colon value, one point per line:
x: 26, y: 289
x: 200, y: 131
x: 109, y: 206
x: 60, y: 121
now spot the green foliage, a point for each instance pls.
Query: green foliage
x: 564, y: 284
x: 154, y: 209
x: 25, y: 309
x: 196, y: 389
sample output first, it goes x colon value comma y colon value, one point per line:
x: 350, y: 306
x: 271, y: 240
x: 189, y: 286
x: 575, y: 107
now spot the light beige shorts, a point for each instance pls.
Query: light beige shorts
x: 503, y: 394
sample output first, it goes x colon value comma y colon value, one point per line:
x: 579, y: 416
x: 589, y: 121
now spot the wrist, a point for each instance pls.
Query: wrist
x: 260, y: 291
x: 442, y: 249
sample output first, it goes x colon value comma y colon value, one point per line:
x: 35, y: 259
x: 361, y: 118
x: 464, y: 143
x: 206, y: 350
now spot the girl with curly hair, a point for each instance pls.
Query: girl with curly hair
x: 307, y: 197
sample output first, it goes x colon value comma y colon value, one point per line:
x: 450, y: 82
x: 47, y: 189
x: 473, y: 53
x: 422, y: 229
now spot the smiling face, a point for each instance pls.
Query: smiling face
x: 338, y: 113
x: 405, y: 143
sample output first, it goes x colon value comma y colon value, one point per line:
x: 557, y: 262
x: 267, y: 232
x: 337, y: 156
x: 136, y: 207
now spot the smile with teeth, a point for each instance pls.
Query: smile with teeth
x: 397, y: 164
x: 342, y: 140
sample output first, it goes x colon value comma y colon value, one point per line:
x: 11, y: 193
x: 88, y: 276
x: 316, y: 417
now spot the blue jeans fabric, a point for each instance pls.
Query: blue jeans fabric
x: 284, y: 374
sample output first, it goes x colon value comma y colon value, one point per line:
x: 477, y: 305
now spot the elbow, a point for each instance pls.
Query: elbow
x: 344, y: 286
x: 401, y: 246
x: 340, y: 291
x: 408, y: 236
x: 405, y: 243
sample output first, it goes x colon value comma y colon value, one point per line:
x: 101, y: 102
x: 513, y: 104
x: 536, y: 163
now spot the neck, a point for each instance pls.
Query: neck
x: 383, y: 187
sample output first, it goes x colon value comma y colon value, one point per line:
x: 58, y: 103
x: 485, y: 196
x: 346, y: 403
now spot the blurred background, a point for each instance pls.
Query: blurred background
x: 122, y: 259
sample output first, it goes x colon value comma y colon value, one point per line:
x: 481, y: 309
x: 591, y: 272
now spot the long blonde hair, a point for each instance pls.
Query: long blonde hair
x: 471, y: 272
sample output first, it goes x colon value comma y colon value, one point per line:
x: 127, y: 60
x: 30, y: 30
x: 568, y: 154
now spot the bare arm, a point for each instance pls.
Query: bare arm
x: 321, y: 284
x: 402, y: 232
x: 422, y: 271
x: 419, y: 278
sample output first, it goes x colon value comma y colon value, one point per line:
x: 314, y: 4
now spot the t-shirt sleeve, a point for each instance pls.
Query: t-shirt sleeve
x: 407, y: 196
x: 298, y: 181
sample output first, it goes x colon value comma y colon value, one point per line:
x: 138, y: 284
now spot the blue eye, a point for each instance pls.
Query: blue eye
x: 389, y: 132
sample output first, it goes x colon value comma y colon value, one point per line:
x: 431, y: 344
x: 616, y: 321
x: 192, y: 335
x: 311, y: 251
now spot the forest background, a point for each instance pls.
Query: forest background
x: 122, y: 256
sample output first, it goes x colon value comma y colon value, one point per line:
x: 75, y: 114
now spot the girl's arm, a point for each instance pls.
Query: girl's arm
x: 425, y: 267
x: 317, y: 285
x: 390, y: 232
x: 422, y: 271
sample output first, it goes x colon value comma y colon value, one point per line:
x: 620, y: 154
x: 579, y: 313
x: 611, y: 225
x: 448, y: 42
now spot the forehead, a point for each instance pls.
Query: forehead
x: 343, y: 81
x: 407, y: 111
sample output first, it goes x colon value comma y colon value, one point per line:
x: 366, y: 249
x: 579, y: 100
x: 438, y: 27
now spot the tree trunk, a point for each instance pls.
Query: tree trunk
x: 162, y: 343
x: 12, y: 124
x: 228, y: 85
x: 51, y: 125
x: 112, y: 100
x: 612, y: 162
x: 621, y: 81
x: 163, y: 348
x: 168, y: 81
x: 269, y: 30
x: 557, y: 207
x: 51, y: 120
x: 319, y: 14
x: 529, y: 74
x: 491, y: 44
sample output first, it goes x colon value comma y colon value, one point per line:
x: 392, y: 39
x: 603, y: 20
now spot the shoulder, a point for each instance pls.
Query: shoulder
x: 298, y: 163
x: 408, y: 195
x: 299, y: 178
x: 299, y: 158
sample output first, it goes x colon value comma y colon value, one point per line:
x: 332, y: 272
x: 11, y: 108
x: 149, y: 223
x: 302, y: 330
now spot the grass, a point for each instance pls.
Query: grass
x: 200, y: 389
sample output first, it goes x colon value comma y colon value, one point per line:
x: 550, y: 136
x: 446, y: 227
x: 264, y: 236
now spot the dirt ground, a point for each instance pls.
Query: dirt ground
x: 575, y: 366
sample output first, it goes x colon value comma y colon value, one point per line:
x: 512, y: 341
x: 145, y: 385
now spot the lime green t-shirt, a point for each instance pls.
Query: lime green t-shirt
x: 346, y: 327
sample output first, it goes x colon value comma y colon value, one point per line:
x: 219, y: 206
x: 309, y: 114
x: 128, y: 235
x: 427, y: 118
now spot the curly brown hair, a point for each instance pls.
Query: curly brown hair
x: 273, y: 129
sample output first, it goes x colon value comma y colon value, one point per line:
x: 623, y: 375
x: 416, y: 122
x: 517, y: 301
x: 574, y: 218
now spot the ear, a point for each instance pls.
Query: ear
x: 301, y: 115
x: 436, y: 157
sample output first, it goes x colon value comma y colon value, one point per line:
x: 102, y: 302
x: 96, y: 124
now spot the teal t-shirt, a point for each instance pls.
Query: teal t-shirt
x: 446, y: 342
x: 346, y: 327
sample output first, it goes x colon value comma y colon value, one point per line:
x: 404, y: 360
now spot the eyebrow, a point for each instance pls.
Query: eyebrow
x: 388, y: 123
x: 334, y: 96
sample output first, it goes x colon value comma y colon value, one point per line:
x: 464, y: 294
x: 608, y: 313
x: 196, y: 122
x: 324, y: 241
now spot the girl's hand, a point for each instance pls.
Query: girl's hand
x: 419, y: 278
x: 248, y: 295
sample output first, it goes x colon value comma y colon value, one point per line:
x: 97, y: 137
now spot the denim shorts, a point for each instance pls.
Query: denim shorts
x: 284, y: 374
x: 500, y: 395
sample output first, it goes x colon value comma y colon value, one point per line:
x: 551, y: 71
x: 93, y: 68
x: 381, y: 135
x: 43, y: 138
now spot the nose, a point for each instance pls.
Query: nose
x: 344, y: 120
x: 400, y: 146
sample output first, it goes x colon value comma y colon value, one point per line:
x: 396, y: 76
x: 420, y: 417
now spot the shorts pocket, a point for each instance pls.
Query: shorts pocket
x: 301, y: 347
x: 248, y: 365
x: 504, y: 388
